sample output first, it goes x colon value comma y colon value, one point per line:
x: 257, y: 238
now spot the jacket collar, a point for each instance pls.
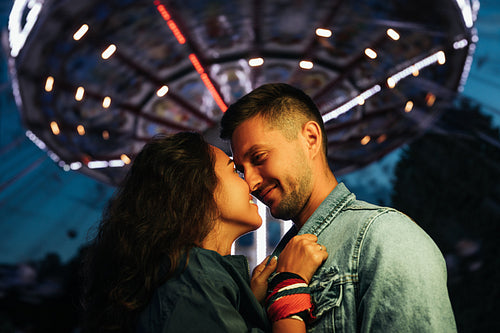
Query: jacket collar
x: 338, y: 198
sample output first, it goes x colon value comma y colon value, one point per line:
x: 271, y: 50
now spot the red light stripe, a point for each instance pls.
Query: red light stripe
x: 171, y: 24
x: 163, y: 12
x: 213, y: 91
x: 176, y: 31
x: 192, y: 57
x: 196, y: 63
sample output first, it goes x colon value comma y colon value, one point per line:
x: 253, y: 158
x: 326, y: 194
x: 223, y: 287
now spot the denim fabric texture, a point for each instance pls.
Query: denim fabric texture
x: 383, y: 272
x: 211, y: 295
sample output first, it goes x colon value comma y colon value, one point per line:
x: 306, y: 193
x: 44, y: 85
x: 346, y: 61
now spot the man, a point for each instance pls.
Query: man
x: 383, y: 272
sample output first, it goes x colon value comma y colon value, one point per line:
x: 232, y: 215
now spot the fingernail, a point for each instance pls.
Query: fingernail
x: 274, y: 258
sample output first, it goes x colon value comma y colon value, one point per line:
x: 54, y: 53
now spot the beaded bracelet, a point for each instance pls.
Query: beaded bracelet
x: 288, y: 295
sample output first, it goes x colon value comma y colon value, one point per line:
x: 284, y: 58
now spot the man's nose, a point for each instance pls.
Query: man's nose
x: 253, y: 179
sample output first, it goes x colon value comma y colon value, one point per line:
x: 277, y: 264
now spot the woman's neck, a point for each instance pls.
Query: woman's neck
x: 218, y: 241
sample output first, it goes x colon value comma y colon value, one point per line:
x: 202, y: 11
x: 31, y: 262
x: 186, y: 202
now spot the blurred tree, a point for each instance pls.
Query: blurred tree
x: 448, y: 181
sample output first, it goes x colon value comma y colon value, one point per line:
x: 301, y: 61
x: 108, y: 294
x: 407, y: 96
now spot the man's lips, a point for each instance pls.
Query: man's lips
x: 264, y: 194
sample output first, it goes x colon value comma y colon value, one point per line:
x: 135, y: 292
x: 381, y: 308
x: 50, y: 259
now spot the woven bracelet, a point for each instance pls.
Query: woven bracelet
x: 288, y: 295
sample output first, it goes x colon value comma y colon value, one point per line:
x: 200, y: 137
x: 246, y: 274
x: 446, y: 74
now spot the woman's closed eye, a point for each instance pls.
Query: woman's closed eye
x: 238, y: 172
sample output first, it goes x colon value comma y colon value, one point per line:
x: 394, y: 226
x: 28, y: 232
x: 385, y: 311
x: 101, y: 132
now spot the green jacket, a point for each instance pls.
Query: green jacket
x: 211, y: 295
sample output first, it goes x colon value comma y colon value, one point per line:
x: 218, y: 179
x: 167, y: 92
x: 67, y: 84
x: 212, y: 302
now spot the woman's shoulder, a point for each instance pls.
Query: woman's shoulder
x: 196, y: 286
x: 206, y: 273
x: 213, y: 265
x: 204, y: 260
x: 206, y: 266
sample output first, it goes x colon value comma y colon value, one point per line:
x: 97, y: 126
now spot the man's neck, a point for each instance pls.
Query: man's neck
x: 320, y: 191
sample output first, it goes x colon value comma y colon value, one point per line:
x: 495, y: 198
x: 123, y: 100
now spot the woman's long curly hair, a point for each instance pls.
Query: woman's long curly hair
x: 164, y: 207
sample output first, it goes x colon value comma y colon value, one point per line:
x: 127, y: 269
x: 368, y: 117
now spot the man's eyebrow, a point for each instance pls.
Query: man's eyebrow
x: 251, y: 150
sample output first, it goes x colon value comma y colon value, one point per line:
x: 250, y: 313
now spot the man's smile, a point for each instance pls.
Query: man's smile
x: 265, y: 193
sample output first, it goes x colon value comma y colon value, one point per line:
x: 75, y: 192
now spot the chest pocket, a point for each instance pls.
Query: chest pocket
x: 326, y: 291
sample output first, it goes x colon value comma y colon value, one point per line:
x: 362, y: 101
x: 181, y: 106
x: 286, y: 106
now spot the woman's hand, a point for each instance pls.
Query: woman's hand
x: 302, y: 255
x: 260, y: 274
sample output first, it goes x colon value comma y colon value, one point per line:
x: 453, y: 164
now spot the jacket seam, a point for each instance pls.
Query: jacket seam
x: 360, y: 241
x: 321, y: 226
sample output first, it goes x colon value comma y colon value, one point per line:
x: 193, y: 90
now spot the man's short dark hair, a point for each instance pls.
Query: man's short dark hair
x: 281, y: 105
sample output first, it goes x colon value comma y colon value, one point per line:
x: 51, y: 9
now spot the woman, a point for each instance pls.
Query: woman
x: 160, y: 261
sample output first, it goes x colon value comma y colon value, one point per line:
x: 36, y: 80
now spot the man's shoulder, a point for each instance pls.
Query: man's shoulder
x: 359, y: 217
x: 374, y: 211
x: 360, y: 211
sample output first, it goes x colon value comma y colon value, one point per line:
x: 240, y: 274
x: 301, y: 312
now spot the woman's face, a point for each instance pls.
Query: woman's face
x: 235, y: 204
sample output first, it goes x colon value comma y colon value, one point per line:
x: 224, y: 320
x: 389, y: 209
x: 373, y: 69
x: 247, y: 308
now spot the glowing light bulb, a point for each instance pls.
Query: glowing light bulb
x: 441, y: 58
x: 106, y: 102
x: 382, y: 138
x: 393, y: 34
x: 305, y: 64
x: 81, y: 32
x: 460, y: 44
x: 55, y: 128
x: 391, y: 83
x: 430, y: 99
x: 370, y: 53
x: 108, y: 52
x: 49, y: 83
x: 323, y: 32
x: 162, y: 91
x: 409, y: 106
x: 80, y: 129
x: 79, y: 93
x: 75, y: 165
x: 365, y: 140
x: 125, y: 159
x: 255, y: 62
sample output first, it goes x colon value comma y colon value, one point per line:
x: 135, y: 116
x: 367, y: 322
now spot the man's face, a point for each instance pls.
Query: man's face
x: 276, y: 169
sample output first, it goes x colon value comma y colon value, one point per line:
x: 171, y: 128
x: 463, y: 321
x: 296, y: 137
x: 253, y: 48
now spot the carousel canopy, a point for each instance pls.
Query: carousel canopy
x: 94, y: 80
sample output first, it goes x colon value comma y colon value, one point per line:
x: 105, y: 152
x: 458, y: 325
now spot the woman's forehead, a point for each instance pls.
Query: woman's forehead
x: 220, y: 156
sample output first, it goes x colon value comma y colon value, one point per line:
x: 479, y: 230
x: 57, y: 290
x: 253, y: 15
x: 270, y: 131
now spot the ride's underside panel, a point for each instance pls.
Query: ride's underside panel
x: 380, y: 71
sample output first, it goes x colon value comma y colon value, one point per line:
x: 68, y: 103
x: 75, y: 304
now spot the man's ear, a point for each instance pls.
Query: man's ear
x: 311, y: 132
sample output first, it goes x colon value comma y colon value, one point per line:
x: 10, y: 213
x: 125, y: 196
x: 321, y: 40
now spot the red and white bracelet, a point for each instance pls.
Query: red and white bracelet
x: 288, y: 297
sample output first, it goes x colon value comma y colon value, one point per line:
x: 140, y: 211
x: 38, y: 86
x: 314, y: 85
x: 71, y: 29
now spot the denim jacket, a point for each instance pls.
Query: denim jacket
x: 383, y: 272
